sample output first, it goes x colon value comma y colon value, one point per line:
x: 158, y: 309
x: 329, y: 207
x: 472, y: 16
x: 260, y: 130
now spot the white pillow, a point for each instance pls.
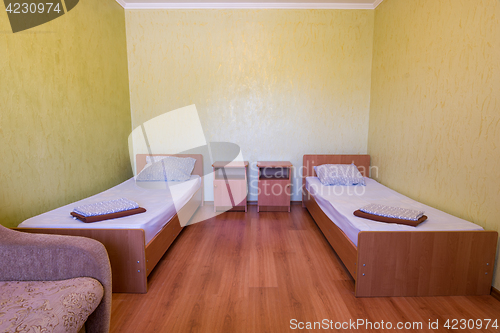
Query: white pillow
x: 339, y: 174
x: 168, y: 168
x: 151, y: 159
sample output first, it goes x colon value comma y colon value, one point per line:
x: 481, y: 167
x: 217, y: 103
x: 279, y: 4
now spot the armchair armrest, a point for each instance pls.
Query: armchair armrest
x: 38, y: 257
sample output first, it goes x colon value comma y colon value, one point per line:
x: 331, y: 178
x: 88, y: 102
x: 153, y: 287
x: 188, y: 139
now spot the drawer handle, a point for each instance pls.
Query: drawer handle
x: 215, y: 185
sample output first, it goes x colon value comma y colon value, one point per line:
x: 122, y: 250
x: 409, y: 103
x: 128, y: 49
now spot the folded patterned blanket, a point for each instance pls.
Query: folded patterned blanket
x: 392, y: 212
x: 384, y: 219
x: 97, y: 218
x: 106, y: 207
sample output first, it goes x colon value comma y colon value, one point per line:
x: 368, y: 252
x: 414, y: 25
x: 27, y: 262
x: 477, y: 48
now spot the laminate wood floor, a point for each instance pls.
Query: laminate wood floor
x: 255, y: 272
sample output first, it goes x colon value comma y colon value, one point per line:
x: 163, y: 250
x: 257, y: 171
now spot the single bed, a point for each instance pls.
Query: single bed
x: 134, y: 243
x: 442, y: 256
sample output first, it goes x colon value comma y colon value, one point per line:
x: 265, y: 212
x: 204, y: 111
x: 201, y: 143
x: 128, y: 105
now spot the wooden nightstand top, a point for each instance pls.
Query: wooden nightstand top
x: 274, y: 164
x: 232, y: 164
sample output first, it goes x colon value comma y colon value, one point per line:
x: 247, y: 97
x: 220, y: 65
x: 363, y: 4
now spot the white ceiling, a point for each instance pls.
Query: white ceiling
x: 249, y: 4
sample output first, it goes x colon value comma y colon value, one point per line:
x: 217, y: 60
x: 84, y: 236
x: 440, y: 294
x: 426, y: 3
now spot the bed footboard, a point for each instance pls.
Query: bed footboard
x: 425, y: 263
x: 125, y: 250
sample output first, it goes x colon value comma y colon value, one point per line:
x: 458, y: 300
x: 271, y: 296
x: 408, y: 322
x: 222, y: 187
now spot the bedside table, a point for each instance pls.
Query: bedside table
x: 275, y: 186
x: 230, y: 185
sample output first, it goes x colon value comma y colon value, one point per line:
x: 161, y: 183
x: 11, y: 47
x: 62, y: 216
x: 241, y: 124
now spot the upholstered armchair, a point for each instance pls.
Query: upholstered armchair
x: 53, y: 282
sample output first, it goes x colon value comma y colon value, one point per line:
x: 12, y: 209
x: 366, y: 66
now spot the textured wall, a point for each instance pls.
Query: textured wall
x: 64, y: 109
x: 279, y: 83
x: 434, y: 116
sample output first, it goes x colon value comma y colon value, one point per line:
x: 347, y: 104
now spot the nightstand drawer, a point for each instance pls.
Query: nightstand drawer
x: 275, y: 192
x: 238, y: 191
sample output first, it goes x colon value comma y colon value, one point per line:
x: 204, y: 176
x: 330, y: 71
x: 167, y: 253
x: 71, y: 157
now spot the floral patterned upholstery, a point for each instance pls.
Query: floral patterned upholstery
x: 48, y: 306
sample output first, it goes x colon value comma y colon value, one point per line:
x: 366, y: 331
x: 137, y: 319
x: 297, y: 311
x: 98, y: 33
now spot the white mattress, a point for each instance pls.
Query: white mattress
x: 161, y: 203
x: 339, y: 203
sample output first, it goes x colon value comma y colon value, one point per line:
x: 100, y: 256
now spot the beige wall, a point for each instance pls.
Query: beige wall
x: 435, y: 101
x: 279, y: 83
x: 65, y: 109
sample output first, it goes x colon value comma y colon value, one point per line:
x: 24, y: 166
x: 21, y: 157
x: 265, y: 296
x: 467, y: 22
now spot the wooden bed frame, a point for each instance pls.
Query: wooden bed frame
x: 406, y: 263
x: 132, y: 260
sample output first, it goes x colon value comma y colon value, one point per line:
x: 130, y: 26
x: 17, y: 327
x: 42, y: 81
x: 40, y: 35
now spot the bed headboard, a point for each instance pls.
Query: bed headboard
x: 310, y: 161
x: 140, y: 161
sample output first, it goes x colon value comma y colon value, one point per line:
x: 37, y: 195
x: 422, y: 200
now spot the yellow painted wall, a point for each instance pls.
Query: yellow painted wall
x: 435, y: 105
x: 279, y: 83
x: 64, y: 109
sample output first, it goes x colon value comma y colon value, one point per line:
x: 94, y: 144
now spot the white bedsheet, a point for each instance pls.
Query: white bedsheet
x: 161, y: 205
x: 339, y: 203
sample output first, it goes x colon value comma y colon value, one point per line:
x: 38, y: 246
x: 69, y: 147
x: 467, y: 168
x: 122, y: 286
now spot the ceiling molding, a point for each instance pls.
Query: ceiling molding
x: 122, y: 3
x: 239, y: 5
